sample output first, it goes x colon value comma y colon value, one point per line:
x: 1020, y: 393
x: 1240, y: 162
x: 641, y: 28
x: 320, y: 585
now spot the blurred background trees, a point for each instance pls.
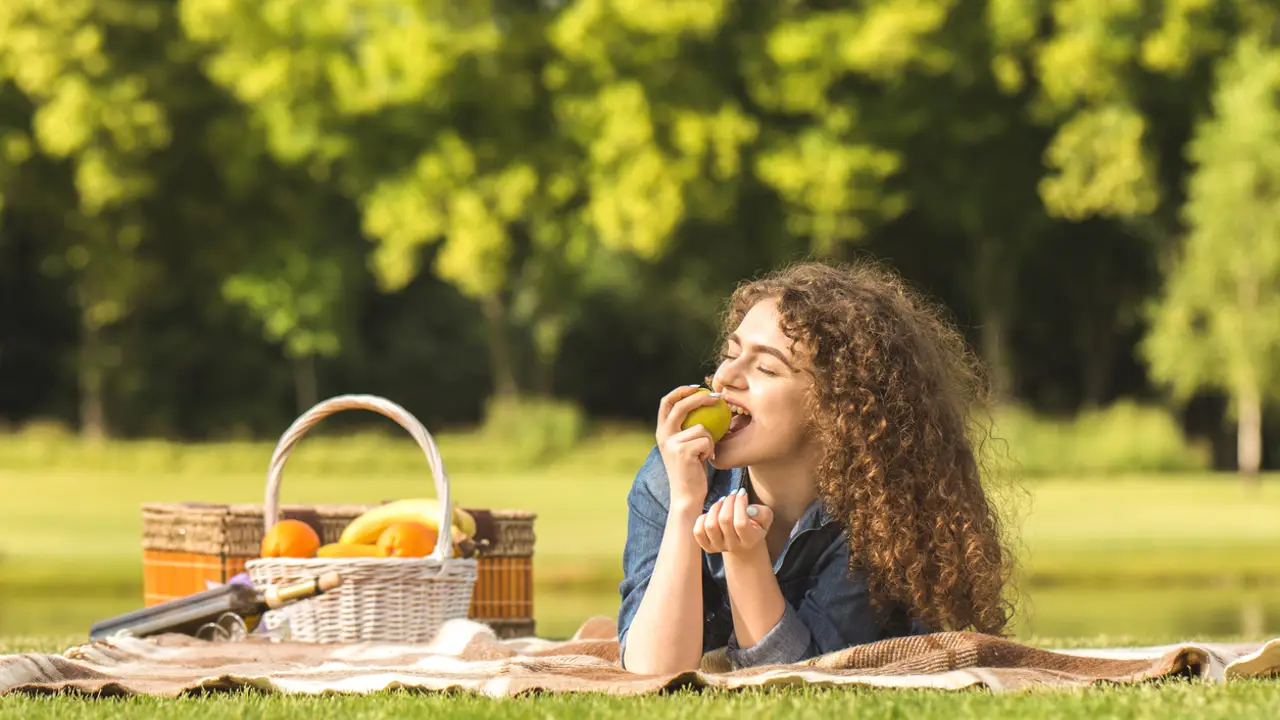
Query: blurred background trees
x: 216, y: 212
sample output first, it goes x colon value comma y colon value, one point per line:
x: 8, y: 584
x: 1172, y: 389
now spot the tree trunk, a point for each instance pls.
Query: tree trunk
x: 305, y: 383
x: 1248, y: 391
x: 548, y: 334
x: 544, y: 378
x: 1249, y: 433
x: 1096, y: 338
x: 994, y: 353
x: 93, y: 423
x: 993, y: 292
x: 501, y: 364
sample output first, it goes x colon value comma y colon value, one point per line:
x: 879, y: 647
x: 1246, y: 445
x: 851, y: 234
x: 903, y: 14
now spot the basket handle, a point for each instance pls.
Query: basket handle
x: 323, y: 409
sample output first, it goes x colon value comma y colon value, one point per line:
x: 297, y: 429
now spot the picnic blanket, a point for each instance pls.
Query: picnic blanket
x: 467, y: 656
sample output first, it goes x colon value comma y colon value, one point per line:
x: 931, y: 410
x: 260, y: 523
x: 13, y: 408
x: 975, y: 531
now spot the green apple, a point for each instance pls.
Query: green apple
x: 715, y: 418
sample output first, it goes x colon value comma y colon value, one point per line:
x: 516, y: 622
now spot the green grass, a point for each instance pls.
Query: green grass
x: 1253, y: 699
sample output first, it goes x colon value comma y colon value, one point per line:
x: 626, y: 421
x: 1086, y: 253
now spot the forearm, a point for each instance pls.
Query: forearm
x: 666, y: 634
x: 754, y: 595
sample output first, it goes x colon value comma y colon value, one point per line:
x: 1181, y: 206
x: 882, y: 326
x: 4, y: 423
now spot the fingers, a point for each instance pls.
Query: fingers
x: 742, y: 522
x: 727, y: 509
x: 715, y: 536
x: 732, y: 524
x: 684, y: 406
x: 670, y: 399
x: 700, y: 535
x: 696, y: 442
x: 763, y: 517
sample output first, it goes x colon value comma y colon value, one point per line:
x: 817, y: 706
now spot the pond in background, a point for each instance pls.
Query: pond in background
x: 1051, y: 612
x: 1155, y: 614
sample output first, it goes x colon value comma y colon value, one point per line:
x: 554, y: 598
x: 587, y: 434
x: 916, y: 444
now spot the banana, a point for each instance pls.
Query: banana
x: 464, y: 521
x: 347, y: 550
x: 365, y: 529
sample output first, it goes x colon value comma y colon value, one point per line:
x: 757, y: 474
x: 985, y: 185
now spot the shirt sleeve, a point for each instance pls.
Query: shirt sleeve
x: 647, y: 504
x: 835, y: 613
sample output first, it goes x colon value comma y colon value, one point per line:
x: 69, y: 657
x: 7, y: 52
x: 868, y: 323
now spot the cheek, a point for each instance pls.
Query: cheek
x: 787, y: 415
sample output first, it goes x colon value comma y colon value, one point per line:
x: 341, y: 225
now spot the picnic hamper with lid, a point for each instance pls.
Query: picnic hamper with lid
x: 187, y: 545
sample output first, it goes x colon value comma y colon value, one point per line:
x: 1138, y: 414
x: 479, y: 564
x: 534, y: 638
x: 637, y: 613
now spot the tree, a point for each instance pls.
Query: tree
x: 1217, y: 322
x: 887, y: 110
x: 15, y: 141
x: 429, y: 115
x: 90, y: 72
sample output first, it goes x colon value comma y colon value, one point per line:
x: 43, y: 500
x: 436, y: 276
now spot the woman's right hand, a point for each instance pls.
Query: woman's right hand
x: 684, y: 452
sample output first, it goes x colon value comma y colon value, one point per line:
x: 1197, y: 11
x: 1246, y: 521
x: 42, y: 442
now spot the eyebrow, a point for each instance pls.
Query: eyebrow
x: 733, y: 338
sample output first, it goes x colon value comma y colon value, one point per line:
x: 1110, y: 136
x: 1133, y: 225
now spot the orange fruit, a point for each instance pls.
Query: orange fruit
x: 407, y: 539
x: 290, y: 538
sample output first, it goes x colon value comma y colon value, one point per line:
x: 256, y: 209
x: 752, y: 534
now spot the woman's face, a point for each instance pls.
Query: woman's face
x: 761, y: 374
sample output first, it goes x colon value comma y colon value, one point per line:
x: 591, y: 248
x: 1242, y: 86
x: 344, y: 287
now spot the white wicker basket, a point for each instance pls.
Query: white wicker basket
x: 380, y: 599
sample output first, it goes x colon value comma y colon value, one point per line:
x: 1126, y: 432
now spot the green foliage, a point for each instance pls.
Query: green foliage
x: 363, y: 92
x: 1124, y: 438
x: 639, y: 89
x: 1217, y: 322
x: 1102, y: 166
x: 294, y: 305
x: 446, y: 196
x: 1095, y: 73
x: 90, y: 105
x: 305, y: 164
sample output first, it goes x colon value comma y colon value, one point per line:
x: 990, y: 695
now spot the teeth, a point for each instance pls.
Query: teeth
x: 738, y: 410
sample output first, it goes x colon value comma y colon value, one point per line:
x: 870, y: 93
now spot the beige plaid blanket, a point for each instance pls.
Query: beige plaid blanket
x: 467, y: 656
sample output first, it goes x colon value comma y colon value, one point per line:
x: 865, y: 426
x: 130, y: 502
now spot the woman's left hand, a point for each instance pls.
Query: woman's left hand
x: 732, y: 525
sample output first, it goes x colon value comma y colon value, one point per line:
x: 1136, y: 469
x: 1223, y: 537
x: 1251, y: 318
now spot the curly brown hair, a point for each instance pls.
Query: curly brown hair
x: 895, y: 402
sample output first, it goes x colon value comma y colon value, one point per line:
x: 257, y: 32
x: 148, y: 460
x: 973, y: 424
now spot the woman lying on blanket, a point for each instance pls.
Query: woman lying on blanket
x: 844, y: 506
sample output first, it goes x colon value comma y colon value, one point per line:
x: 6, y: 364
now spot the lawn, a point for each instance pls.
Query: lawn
x: 1238, y: 701
x: 1136, y: 559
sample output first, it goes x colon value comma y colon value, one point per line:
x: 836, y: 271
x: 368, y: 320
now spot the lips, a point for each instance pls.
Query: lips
x: 737, y: 406
x: 741, y: 418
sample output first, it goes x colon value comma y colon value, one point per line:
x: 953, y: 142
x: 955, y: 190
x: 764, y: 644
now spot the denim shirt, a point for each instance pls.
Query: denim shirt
x: 826, y: 606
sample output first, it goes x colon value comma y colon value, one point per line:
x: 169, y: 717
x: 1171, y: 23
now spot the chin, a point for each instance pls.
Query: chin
x: 734, y: 452
x: 722, y: 462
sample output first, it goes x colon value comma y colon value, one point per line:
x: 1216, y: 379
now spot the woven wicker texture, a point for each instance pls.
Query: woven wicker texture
x: 380, y: 599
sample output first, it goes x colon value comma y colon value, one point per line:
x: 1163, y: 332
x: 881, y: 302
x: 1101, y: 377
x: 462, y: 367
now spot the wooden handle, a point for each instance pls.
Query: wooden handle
x: 382, y: 406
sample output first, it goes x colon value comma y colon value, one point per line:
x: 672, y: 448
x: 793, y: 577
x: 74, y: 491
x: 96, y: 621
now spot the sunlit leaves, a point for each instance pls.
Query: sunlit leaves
x: 1218, y: 321
x: 1012, y: 26
x: 1101, y: 164
x: 446, y: 197
x: 1092, y: 70
x: 308, y: 66
x: 294, y: 299
x: 830, y: 181
x: 87, y: 107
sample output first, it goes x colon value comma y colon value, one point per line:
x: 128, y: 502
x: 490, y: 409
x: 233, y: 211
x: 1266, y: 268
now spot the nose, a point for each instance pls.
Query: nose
x: 728, y: 374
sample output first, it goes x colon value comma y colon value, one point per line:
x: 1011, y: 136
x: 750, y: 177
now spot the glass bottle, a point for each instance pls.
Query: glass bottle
x: 187, y: 615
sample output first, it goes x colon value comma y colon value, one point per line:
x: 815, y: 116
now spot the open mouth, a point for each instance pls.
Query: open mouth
x: 740, y: 420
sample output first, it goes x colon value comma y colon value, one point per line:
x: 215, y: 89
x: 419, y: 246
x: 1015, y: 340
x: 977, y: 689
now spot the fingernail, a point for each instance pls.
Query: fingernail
x: 752, y: 511
x: 742, y: 491
x: 715, y: 395
x: 695, y: 385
